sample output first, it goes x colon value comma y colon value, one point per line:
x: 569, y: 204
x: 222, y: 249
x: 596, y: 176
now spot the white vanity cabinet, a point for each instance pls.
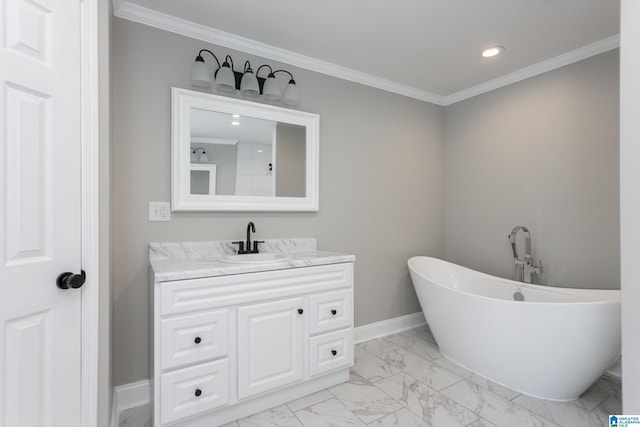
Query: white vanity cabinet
x: 228, y: 346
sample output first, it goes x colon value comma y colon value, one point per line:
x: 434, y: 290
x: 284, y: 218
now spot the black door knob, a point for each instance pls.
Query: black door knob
x: 197, y: 340
x: 68, y: 280
x: 334, y: 352
x: 300, y: 311
x: 198, y: 392
x: 334, y: 312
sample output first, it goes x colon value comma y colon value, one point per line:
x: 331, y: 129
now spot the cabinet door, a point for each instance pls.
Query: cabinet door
x: 270, y: 345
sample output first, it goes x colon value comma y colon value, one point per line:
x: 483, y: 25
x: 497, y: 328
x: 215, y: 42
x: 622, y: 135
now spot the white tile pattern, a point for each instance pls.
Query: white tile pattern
x: 403, y: 417
x: 432, y: 406
x: 139, y: 416
x: 492, y: 407
x: 309, y: 400
x: 280, y: 416
x: 328, y: 414
x: 364, y: 399
x: 403, y: 380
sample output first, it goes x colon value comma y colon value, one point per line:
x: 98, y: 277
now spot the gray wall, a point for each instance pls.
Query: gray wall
x: 541, y: 153
x: 290, y: 161
x: 381, y: 187
x: 226, y: 160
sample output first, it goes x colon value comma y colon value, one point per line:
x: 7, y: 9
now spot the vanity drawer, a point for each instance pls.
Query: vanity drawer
x: 193, y: 390
x: 194, y: 338
x: 330, y: 351
x: 191, y: 295
x: 330, y: 311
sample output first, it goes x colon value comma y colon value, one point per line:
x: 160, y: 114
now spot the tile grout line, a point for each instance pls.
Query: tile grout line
x: 382, y: 416
x: 296, y: 417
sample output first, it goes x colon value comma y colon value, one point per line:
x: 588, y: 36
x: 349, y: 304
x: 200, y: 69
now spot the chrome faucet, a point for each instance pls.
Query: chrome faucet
x: 245, y: 247
x: 526, y: 266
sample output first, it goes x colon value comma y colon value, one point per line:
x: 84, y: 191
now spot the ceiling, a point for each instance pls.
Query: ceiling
x: 215, y: 128
x: 427, y: 49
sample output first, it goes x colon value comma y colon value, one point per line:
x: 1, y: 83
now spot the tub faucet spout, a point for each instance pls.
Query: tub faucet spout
x: 525, y: 265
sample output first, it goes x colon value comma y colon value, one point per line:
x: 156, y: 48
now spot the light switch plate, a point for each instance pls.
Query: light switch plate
x: 159, y: 211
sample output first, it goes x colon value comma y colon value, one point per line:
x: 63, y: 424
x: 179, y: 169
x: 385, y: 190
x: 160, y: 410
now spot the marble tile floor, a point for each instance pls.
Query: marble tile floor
x: 403, y: 380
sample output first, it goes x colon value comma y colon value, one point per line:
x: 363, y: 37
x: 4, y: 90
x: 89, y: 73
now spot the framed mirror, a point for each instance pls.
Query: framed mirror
x: 230, y: 154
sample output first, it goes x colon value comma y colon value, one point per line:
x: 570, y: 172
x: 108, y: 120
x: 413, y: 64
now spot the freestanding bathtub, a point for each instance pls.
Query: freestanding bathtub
x: 553, y: 344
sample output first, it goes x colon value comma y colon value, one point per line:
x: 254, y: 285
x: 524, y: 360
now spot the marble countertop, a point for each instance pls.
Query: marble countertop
x: 192, y: 260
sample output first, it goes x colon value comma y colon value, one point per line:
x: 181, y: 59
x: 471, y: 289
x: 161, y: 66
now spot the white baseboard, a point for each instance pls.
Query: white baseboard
x: 388, y: 327
x: 115, y: 419
x: 136, y: 394
x: 615, y: 370
x: 129, y: 396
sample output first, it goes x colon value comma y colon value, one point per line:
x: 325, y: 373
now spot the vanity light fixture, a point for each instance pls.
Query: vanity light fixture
x: 271, y: 87
x: 225, y: 76
x: 249, y: 84
x: 492, y: 51
x: 199, y: 154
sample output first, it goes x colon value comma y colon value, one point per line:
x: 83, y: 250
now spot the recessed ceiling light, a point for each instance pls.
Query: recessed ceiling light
x: 492, y: 51
x: 235, y: 123
x: 235, y: 116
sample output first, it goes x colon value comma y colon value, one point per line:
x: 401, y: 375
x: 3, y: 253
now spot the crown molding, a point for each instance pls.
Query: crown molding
x: 130, y: 11
x: 142, y: 15
x: 579, y: 54
x: 207, y: 140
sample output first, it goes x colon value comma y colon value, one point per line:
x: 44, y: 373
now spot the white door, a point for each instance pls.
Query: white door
x: 270, y: 345
x: 40, y: 195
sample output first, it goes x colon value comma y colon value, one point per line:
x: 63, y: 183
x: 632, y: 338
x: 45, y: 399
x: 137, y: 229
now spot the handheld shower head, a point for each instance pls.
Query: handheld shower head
x: 512, y: 240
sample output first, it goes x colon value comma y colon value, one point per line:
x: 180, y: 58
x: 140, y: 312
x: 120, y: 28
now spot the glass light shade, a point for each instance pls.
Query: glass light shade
x: 194, y: 156
x: 249, y: 85
x: 271, y: 89
x: 225, y: 80
x: 203, y: 157
x: 200, y: 74
x: 290, y: 96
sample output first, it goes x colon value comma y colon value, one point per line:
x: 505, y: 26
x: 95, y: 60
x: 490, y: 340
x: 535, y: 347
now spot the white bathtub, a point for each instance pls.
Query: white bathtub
x: 553, y: 345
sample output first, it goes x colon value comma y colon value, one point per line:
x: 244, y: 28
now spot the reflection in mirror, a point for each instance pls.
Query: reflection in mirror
x: 289, y: 161
x: 235, y: 155
x: 203, y: 179
x: 252, y: 157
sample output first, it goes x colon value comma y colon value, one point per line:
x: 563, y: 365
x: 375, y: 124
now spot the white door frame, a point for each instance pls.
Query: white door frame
x: 90, y: 210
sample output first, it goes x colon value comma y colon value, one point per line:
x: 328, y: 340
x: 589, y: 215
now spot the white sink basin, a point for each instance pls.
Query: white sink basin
x: 254, y: 258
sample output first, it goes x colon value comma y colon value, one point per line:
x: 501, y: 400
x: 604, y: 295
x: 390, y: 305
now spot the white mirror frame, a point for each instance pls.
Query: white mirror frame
x: 183, y: 100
